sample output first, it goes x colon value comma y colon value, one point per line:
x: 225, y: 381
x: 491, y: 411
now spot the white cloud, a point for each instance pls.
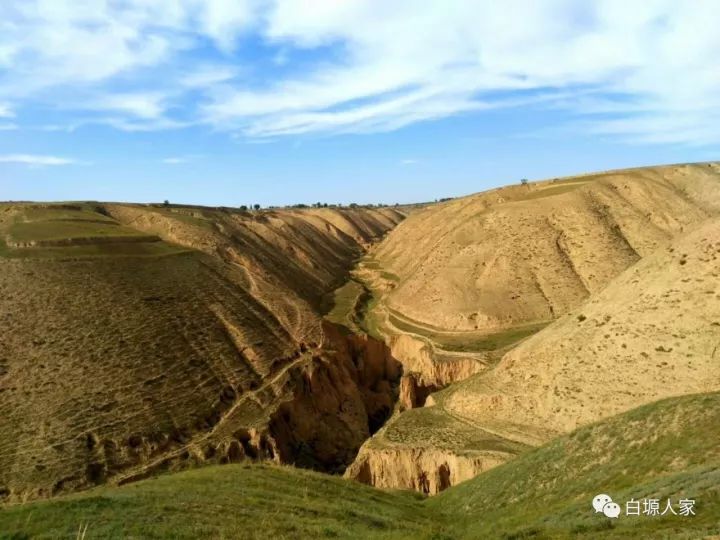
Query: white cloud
x: 207, y: 76
x: 36, y: 160
x: 180, y: 160
x: 638, y: 71
x: 175, y: 160
x: 408, y: 162
x: 8, y: 127
x: 224, y: 20
x: 142, y: 105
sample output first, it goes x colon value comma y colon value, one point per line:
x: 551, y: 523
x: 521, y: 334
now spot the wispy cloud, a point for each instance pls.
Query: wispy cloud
x: 408, y: 162
x: 174, y: 160
x: 6, y: 111
x: 634, y: 71
x: 145, y: 105
x: 37, y: 160
x: 8, y: 127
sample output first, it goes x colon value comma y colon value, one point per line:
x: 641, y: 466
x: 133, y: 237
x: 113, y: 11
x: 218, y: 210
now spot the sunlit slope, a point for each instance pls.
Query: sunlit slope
x: 232, y: 501
x: 665, y: 450
x: 126, y: 350
x: 289, y: 259
x: 654, y: 332
x: 530, y: 253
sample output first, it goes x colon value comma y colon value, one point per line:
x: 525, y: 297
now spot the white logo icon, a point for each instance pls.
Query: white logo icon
x: 601, y: 500
x: 611, y: 510
x: 604, y: 503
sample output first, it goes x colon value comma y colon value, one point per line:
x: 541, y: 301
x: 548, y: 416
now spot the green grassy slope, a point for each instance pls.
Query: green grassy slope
x: 230, y: 501
x: 77, y: 230
x: 663, y: 450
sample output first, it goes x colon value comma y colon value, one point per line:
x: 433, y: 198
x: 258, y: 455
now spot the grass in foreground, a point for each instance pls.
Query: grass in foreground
x: 665, y: 449
x: 229, y: 501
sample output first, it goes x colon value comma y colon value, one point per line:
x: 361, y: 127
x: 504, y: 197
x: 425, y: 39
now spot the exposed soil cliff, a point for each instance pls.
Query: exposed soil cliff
x: 424, y: 470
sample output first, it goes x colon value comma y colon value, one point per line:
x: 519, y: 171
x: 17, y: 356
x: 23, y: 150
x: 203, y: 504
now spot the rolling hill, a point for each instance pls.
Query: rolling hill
x: 459, y: 283
x: 651, y: 332
x: 138, y: 338
x: 665, y: 450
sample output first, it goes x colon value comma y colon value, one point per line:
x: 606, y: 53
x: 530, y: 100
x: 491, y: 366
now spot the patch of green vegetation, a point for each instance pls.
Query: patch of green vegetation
x: 230, y: 501
x: 468, y: 341
x: 74, y: 212
x: 435, y: 428
x: 369, y: 320
x: 663, y: 450
x: 120, y: 249
x: 60, y: 229
x: 70, y: 231
x: 345, y: 302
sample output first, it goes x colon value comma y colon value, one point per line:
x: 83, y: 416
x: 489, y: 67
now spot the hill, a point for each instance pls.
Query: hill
x: 651, y: 333
x: 665, y: 450
x: 529, y: 253
x: 138, y: 338
x: 458, y: 283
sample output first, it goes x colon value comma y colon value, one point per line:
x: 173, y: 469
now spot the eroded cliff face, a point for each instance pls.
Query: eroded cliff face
x: 316, y: 413
x: 425, y: 371
x: 424, y: 470
x: 460, y: 287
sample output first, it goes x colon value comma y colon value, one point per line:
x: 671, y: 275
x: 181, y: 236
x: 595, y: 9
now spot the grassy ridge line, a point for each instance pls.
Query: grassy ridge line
x: 230, y: 501
x: 666, y: 449
x: 663, y: 450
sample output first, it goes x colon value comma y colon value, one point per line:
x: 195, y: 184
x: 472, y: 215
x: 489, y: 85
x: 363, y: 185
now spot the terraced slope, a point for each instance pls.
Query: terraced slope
x: 665, y: 450
x: 138, y: 338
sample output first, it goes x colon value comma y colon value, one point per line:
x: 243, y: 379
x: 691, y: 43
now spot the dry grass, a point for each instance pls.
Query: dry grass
x: 115, y: 356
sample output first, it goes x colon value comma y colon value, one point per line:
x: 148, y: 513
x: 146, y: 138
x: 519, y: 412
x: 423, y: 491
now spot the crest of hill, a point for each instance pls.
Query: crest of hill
x: 139, y: 338
x: 525, y: 254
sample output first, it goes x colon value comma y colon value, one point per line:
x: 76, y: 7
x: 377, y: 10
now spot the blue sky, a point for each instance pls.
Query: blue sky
x: 223, y: 102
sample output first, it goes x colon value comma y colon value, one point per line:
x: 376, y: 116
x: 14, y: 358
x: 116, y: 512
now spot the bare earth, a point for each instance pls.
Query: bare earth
x: 626, y: 264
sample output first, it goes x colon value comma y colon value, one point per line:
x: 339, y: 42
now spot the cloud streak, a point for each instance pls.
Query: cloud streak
x: 35, y: 160
x: 635, y: 71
